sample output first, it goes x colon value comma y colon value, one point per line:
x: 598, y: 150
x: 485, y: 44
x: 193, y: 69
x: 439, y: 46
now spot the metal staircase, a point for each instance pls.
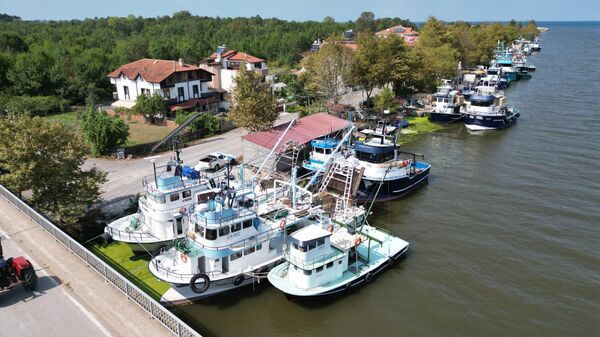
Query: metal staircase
x: 341, y: 172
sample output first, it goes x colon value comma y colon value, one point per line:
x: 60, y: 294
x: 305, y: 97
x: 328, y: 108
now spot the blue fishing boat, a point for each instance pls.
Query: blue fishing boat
x: 487, y: 111
x: 388, y: 173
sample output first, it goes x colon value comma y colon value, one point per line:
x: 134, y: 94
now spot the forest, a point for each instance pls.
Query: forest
x: 47, y: 65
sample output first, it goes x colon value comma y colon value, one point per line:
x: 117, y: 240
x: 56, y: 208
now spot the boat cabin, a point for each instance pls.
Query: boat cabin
x: 312, y: 258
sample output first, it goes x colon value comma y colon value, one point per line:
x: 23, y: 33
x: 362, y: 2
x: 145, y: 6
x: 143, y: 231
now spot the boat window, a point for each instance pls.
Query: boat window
x: 307, y: 272
x: 477, y: 103
x: 247, y: 223
x: 312, y: 245
x: 186, y: 194
x: 161, y: 199
x: 211, y: 234
x: 301, y: 249
x: 200, y: 230
x: 236, y: 227
x: 375, y: 158
x: 320, y: 242
x: 223, y: 231
x: 249, y: 251
x: 174, y: 197
x: 340, y: 262
x: 259, y: 246
x: 235, y: 256
x: 330, y: 264
x: 319, y: 269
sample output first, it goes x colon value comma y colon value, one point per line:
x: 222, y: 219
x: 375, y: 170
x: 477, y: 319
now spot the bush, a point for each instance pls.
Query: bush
x: 103, y: 132
x: 34, y: 105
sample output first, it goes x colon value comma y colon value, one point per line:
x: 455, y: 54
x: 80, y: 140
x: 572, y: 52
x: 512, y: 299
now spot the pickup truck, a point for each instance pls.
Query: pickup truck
x: 214, y: 161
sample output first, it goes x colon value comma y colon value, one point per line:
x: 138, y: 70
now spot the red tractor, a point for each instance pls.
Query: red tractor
x: 14, y: 271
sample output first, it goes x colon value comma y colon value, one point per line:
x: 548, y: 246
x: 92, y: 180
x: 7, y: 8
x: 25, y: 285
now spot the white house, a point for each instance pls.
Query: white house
x: 224, y: 64
x: 181, y: 85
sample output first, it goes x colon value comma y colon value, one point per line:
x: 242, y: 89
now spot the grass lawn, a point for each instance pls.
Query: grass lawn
x: 142, y: 133
x: 133, y: 267
x: 416, y: 127
x: 68, y: 118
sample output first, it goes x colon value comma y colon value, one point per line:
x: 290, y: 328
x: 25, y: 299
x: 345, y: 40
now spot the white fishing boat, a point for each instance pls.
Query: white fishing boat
x: 163, y: 209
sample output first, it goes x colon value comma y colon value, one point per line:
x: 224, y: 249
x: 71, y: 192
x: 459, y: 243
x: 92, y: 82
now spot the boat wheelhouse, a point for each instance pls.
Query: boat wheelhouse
x: 488, y: 111
x: 162, y: 214
x: 321, y: 150
x: 387, y: 173
x: 448, y: 104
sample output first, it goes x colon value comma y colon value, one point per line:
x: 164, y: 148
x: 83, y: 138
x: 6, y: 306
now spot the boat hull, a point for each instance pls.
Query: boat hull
x: 181, y: 293
x: 482, y: 123
x: 445, y: 117
x: 391, y: 189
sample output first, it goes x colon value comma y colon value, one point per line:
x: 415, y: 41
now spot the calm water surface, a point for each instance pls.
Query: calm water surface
x: 505, y: 238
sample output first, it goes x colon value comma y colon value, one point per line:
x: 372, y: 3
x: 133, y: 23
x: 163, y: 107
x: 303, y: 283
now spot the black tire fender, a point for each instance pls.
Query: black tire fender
x: 391, y: 262
x: 238, y: 280
x: 30, y: 279
x: 368, y: 277
x: 205, y: 284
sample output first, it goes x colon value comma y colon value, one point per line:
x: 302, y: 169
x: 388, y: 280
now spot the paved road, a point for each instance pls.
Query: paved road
x: 48, y: 311
x: 124, y: 176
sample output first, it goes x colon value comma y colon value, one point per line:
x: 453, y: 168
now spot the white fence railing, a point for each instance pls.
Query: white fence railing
x: 173, y: 324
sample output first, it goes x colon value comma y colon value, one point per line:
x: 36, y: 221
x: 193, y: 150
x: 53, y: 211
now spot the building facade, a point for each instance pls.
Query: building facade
x: 177, y: 82
x: 225, y: 64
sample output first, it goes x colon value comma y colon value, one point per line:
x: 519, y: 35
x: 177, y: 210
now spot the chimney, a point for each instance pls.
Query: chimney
x: 180, y: 62
x: 219, y: 53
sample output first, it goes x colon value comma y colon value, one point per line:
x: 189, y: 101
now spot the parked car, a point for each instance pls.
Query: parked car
x: 214, y: 161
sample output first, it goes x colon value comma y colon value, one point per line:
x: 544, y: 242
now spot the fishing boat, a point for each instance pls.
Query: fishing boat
x: 387, y: 172
x: 235, y: 236
x: 322, y: 261
x: 448, y: 104
x: 321, y: 149
x: 162, y: 214
x: 536, y: 44
x: 488, y: 111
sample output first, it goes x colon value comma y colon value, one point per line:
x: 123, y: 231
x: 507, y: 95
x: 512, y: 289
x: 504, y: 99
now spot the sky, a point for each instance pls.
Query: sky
x: 300, y: 10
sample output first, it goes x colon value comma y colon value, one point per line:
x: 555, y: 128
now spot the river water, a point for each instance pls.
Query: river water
x: 505, y: 238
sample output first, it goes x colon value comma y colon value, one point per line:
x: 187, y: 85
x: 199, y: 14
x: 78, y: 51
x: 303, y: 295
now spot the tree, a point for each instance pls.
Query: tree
x: 10, y: 42
x: 366, y: 22
x: 206, y: 123
x: 253, y: 106
x: 30, y: 73
x: 153, y: 105
x: 328, y: 70
x: 386, y: 100
x: 104, y: 133
x: 46, y: 158
x: 378, y: 61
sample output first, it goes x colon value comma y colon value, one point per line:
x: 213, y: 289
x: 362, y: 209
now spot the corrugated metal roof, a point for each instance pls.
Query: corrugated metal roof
x: 304, y: 130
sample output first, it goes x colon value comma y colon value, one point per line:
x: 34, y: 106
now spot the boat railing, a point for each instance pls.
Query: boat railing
x: 312, y: 263
x: 198, y: 219
x: 133, y: 235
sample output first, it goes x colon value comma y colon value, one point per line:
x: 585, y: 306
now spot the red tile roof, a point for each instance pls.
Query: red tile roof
x: 410, y: 36
x: 151, y: 70
x: 304, y: 130
x: 238, y: 56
